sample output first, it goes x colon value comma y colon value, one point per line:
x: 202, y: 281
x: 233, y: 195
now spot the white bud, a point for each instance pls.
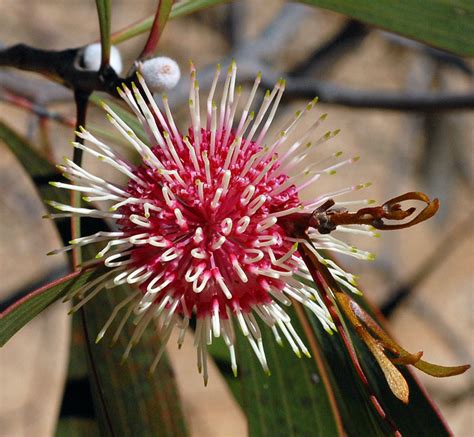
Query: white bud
x: 93, y: 54
x: 161, y: 74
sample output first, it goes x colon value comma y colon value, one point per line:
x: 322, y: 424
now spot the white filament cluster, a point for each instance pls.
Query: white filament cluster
x: 251, y: 131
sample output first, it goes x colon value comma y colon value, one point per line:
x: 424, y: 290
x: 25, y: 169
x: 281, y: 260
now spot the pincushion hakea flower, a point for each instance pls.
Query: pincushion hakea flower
x: 206, y: 224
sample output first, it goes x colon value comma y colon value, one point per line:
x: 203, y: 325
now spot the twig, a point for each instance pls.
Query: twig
x: 36, y: 109
x: 62, y: 66
x: 401, y: 101
x: 347, y: 39
x: 37, y: 90
x: 236, y: 21
x: 444, y: 330
x: 328, y: 92
x: 447, y: 245
x: 251, y: 57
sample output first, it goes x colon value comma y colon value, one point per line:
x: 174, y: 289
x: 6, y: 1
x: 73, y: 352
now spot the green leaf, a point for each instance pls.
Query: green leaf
x: 128, y: 402
x: 448, y: 25
x: 77, y: 427
x: 358, y: 414
x: 179, y: 10
x: 294, y: 400
x: 21, y: 312
x: 34, y: 164
x: 104, y: 12
x: 124, y: 113
x: 419, y: 417
x: 131, y: 401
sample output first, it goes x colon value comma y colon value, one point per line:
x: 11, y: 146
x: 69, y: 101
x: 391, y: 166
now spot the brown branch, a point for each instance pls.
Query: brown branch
x: 62, y: 66
x: 35, y: 108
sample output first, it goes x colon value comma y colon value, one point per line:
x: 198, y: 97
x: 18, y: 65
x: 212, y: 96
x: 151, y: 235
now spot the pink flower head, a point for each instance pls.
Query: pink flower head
x: 196, y: 228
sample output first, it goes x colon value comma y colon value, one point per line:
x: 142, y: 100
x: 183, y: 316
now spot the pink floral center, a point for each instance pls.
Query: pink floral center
x: 215, y: 244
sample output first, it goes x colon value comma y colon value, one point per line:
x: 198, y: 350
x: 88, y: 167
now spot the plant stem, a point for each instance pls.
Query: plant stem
x: 82, y: 99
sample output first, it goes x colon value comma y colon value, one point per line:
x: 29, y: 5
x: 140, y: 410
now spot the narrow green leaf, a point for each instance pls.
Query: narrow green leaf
x: 135, y: 403
x: 293, y: 401
x: 30, y: 159
x: 77, y: 427
x: 129, y: 118
x: 179, y: 10
x: 448, y: 25
x: 419, y: 417
x: 358, y: 414
x: 21, y: 312
x: 104, y: 12
x: 188, y: 7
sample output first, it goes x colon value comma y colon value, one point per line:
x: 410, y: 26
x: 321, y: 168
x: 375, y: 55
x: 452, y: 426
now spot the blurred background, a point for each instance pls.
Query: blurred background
x: 422, y: 278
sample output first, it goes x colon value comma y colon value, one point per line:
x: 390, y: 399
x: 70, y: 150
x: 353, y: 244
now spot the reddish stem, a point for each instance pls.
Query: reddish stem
x: 161, y: 17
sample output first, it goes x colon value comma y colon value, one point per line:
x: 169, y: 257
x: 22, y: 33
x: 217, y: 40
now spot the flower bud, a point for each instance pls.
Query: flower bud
x: 161, y: 74
x: 92, y: 57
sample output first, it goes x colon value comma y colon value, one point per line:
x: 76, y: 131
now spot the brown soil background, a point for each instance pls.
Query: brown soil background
x: 437, y: 318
